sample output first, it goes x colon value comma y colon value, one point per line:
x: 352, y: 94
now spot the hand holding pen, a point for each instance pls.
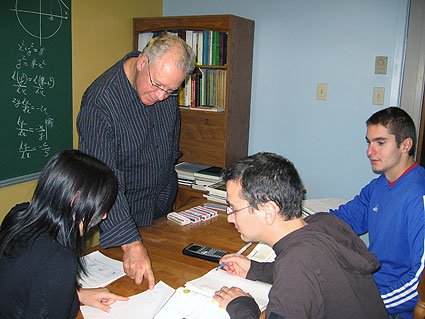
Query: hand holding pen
x: 241, y: 251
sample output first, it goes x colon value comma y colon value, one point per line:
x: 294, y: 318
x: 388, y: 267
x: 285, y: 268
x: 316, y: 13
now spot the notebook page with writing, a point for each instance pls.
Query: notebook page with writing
x: 101, y: 270
x: 141, y: 306
x: 215, y: 279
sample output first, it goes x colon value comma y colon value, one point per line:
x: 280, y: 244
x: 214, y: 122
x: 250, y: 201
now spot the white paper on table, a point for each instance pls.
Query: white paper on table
x: 312, y: 206
x: 189, y: 304
x: 262, y: 253
x: 142, y: 306
x: 215, y: 279
x: 101, y: 270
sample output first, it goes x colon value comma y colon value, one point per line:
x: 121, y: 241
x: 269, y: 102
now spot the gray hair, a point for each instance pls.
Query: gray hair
x: 161, y: 45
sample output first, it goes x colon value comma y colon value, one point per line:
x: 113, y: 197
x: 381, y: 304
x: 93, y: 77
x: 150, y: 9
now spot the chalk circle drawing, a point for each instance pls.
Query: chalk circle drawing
x: 48, y: 16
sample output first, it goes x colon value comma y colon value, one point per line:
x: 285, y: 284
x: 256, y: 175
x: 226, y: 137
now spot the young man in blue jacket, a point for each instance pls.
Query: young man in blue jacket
x: 391, y: 209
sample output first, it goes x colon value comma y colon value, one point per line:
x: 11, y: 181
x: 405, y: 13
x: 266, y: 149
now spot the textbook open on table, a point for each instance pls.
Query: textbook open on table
x: 195, y: 300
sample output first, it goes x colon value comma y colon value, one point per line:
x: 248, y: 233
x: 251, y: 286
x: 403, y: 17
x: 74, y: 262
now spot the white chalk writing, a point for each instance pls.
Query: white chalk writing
x: 33, y: 122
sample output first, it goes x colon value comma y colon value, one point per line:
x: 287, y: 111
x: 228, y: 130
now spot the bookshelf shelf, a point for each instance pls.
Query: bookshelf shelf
x: 215, y: 138
x: 219, y: 67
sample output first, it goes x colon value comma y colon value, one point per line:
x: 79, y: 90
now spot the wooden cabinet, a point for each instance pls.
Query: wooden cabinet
x: 215, y: 138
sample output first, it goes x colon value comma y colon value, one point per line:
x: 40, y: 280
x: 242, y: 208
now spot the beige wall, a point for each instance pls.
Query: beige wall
x: 101, y: 35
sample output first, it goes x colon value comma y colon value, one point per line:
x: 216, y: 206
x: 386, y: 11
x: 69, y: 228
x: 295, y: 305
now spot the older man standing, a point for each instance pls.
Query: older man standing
x: 129, y: 119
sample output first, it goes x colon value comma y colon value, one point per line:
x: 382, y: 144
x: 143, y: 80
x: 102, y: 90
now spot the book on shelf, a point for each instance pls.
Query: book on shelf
x: 198, y: 187
x: 189, y: 169
x: 204, y: 88
x: 185, y: 181
x: 210, y: 173
x: 189, y: 36
x: 195, y: 299
x: 210, y: 47
x: 205, y: 48
x: 144, y: 39
x: 218, y: 189
x: 215, y: 198
x: 200, y: 48
x: 207, y: 108
x: 201, y: 184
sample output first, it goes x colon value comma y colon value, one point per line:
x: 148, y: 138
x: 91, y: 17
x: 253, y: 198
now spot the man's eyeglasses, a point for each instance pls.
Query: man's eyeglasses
x: 168, y: 92
x: 231, y: 211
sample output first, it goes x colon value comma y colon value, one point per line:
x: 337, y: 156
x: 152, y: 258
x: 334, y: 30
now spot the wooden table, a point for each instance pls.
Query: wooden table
x: 165, y: 240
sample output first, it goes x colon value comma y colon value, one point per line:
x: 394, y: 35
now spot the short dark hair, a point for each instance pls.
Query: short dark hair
x: 268, y: 177
x: 398, y: 122
x: 69, y: 177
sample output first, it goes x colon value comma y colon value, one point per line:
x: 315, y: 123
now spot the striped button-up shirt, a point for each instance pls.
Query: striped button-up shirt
x: 139, y: 142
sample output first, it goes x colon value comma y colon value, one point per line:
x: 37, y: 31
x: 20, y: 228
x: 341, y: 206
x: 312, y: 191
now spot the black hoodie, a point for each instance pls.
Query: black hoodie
x: 322, y: 270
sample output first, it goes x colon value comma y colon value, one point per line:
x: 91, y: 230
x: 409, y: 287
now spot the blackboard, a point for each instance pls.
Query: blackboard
x: 35, y: 85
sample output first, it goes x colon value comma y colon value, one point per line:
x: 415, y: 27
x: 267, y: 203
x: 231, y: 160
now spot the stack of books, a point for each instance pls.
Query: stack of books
x: 185, y: 172
x: 197, y: 176
x: 207, y: 177
x: 217, y: 192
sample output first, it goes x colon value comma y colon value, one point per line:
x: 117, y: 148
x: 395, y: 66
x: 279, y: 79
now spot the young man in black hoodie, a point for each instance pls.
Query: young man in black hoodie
x: 322, y: 269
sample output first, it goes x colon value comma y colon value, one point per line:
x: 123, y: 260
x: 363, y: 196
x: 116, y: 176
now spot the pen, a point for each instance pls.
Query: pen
x: 238, y: 253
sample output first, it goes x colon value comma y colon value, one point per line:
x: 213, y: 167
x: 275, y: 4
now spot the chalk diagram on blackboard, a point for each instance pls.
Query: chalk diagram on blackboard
x: 48, y: 16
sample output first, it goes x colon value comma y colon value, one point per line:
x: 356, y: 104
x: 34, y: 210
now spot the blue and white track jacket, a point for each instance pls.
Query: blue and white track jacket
x: 395, y: 219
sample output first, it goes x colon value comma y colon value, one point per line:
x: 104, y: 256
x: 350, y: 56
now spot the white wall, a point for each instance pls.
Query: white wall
x: 299, y: 43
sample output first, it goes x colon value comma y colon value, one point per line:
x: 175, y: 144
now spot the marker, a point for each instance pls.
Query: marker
x: 241, y: 251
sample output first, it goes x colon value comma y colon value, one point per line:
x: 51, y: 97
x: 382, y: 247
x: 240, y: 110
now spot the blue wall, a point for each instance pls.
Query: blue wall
x: 298, y: 43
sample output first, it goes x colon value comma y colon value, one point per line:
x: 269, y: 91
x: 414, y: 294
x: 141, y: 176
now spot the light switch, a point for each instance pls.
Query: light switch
x: 381, y: 65
x: 378, y: 96
x: 322, y: 91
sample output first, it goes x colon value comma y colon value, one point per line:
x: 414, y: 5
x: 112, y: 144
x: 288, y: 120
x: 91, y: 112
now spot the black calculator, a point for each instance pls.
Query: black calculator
x: 203, y: 252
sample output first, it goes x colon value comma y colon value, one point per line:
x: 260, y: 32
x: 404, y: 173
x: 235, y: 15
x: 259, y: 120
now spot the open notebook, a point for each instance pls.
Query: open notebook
x: 195, y: 300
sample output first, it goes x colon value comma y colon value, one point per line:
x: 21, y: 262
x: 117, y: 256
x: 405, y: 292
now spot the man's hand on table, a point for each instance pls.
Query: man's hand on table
x: 137, y: 263
x: 225, y: 295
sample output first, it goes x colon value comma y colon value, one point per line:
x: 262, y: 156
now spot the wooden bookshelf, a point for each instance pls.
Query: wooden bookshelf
x: 215, y: 138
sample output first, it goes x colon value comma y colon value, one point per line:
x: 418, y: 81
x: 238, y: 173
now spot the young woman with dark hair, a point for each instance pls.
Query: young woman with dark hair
x: 41, y: 242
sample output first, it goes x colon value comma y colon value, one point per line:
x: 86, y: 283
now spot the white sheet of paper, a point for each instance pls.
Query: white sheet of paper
x: 101, y: 270
x: 262, y: 253
x: 215, y: 279
x: 312, y: 206
x: 142, y: 306
x: 191, y: 305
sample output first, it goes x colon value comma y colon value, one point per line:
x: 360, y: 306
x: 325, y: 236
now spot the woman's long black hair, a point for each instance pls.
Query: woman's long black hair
x: 73, y: 188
